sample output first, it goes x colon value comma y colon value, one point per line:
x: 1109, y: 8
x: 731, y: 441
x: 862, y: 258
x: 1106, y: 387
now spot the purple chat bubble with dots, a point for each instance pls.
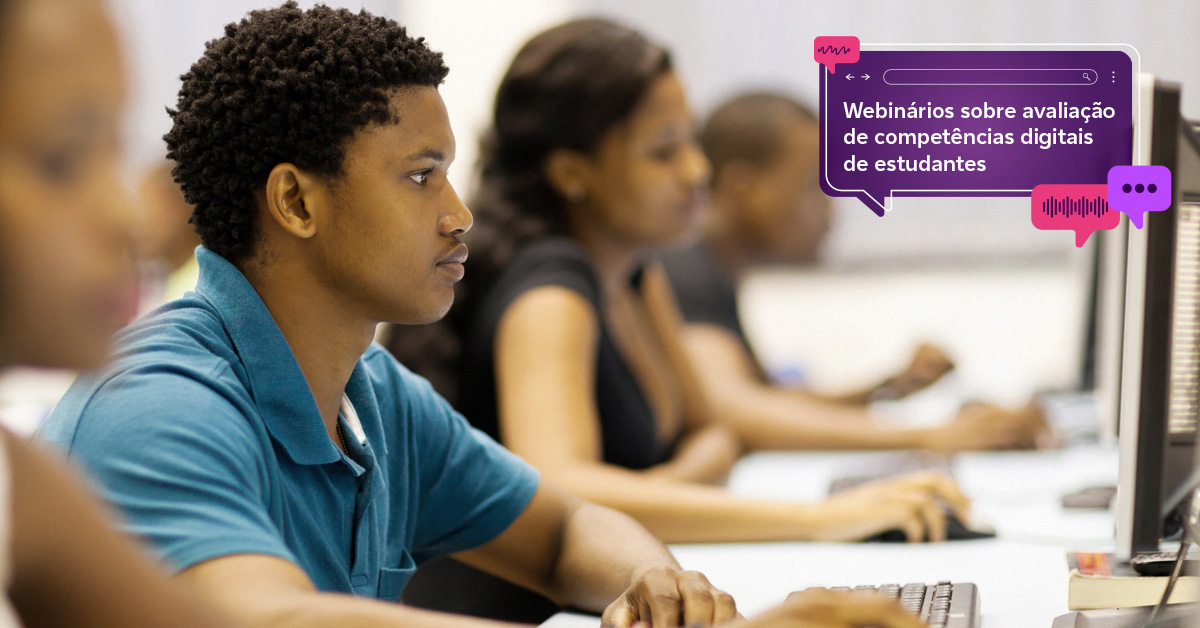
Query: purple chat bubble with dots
x: 1135, y: 190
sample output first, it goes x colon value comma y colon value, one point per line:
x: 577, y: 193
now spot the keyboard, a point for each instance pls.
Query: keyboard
x: 941, y: 605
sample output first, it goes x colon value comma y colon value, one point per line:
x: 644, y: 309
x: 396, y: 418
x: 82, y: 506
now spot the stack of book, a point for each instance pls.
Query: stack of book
x: 1099, y: 581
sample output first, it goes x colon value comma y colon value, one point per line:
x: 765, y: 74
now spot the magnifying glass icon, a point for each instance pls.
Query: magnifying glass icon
x: 1086, y: 77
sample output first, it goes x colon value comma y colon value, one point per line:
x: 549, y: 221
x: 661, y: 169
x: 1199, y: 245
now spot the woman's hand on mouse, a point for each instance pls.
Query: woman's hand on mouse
x: 915, y: 504
x: 982, y: 426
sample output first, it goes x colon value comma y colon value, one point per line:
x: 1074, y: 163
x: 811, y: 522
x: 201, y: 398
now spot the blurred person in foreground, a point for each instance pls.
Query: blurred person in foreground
x: 67, y: 283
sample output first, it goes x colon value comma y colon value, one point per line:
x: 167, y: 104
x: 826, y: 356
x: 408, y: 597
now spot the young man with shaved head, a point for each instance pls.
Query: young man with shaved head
x: 767, y: 208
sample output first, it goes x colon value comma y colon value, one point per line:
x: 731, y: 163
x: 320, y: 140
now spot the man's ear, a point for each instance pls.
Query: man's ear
x: 567, y: 171
x: 293, y: 199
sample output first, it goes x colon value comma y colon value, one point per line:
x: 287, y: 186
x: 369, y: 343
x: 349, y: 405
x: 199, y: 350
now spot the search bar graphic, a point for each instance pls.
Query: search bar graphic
x: 989, y: 76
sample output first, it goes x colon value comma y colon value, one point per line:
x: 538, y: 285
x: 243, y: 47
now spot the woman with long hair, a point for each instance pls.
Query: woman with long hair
x: 567, y: 346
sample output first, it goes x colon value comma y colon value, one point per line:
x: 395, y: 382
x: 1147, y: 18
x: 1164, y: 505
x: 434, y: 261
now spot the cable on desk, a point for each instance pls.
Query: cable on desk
x: 1191, y: 525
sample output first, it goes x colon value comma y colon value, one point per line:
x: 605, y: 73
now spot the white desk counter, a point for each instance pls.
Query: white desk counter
x: 1022, y: 574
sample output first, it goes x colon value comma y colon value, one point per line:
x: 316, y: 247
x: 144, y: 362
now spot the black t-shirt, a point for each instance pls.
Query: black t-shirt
x: 628, y: 428
x: 704, y: 290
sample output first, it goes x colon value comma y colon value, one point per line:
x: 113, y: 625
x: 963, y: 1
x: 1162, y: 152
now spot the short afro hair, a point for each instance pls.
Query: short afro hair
x: 749, y: 128
x: 283, y: 85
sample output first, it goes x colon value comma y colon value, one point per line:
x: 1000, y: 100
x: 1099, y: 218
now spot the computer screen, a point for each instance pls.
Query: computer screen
x: 1087, y: 374
x: 1160, y: 373
x: 1108, y: 314
x: 1108, y: 319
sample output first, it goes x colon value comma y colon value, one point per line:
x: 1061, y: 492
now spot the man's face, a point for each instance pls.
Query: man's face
x: 783, y: 210
x: 389, y: 243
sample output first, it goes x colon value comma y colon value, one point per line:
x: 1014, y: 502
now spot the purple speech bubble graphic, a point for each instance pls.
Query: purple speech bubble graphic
x: 973, y: 122
x: 834, y: 50
x: 1135, y: 190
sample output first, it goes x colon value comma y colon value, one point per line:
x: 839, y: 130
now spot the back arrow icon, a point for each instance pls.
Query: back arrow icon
x: 849, y: 76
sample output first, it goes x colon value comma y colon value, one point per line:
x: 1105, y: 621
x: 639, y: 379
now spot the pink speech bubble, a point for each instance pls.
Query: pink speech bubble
x: 831, y: 51
x: 1082, y: 208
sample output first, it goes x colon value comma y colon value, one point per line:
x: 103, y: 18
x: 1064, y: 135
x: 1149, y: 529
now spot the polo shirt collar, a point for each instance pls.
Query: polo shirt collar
x: 276, y: 382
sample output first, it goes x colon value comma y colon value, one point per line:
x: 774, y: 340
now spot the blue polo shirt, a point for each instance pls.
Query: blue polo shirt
x: 204, y: 433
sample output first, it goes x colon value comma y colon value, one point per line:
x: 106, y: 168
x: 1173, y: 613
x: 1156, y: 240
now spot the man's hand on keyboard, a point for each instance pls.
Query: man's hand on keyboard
x: 834, y: 609
x: 915, y: 503
x: 665, y: 598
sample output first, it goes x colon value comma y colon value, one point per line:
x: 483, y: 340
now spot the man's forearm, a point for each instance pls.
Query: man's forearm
x: 313, y: 609
x: 603, y: 553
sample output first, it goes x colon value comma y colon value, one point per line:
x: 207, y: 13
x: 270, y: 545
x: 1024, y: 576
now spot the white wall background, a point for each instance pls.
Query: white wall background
x: 162, y: 40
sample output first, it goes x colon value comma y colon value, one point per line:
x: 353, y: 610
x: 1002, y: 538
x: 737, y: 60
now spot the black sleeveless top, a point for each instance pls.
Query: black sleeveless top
x: 705, y: 292
x: 627, y: 425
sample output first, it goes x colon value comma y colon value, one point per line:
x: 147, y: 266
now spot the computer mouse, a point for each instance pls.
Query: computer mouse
x: 1092, y: 498
x: 956, y: 530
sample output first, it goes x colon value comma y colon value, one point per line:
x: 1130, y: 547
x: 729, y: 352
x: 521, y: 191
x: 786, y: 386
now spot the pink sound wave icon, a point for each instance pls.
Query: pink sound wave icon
x: 1083, y: 206
x: 837, y: 50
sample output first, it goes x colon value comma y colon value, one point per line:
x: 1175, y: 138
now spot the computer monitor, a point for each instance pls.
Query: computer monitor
x: 1104, y: 325
x: 1182, y: 491
x: 1160, y: 372
x: 1108, y: 319
x: 1108, y: 314
x: 1087, y: 372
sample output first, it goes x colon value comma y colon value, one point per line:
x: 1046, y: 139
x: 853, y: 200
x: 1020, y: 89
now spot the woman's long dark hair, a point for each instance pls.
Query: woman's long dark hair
x: 566, y: 89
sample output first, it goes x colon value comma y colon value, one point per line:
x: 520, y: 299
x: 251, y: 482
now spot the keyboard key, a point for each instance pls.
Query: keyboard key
x: 941, y: 605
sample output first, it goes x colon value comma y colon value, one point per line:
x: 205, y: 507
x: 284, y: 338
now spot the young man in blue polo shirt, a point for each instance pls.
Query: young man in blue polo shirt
x: 253, y: 434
